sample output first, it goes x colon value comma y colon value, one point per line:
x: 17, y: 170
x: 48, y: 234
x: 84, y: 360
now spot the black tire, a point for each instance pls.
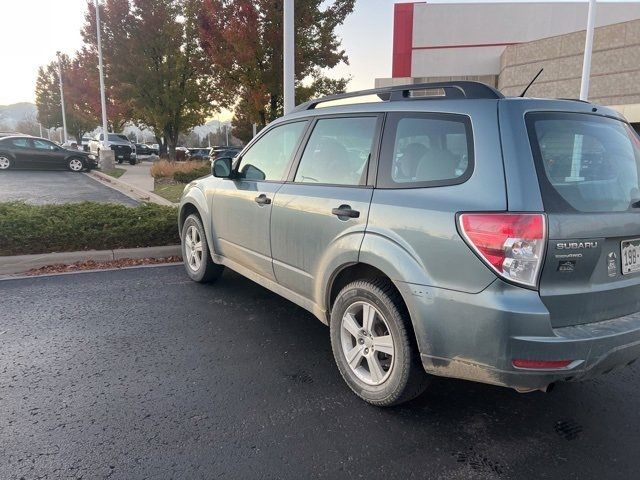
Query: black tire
x: 406, y: 377
x: 120, y: 161
x: 207, y: 271
x: 132, y: 161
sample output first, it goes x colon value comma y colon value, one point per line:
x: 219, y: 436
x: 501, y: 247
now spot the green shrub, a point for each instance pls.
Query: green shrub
x: 186, y: 177
x: 28, y: 228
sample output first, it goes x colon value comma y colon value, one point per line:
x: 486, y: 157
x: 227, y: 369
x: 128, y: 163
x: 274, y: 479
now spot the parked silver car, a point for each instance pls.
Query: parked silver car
x: 445, y: 230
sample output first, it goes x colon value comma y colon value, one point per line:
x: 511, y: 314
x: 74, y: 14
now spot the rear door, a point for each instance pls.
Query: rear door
x: 588, y: 171
x: 321, y: 214
x: 21, y: 149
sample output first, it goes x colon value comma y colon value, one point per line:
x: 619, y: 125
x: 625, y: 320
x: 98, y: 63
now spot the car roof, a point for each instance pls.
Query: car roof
x: 400, y: 98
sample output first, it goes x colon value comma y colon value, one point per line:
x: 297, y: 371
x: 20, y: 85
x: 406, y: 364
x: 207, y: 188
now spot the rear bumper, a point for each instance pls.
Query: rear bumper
x: 477, y: 337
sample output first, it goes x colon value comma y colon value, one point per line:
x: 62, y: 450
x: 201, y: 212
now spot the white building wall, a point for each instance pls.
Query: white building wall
x: 469, y: 38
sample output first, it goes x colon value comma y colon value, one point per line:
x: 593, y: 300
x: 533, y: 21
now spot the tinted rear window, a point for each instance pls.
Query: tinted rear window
x: 585, y: 163
x: 425, y: 150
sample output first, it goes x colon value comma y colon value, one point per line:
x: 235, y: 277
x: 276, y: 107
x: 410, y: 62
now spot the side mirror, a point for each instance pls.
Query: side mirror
x: 222, y: 167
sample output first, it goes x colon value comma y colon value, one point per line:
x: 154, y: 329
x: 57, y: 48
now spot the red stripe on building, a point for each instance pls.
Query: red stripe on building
x: 402, y: 39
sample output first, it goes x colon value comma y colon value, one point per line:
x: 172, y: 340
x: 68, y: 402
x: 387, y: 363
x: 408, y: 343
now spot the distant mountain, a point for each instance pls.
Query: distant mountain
x: 211, y: 126
x: 10, y: 115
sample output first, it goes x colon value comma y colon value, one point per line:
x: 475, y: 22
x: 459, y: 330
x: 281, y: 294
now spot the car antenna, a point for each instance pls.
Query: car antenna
x: 531, y: 82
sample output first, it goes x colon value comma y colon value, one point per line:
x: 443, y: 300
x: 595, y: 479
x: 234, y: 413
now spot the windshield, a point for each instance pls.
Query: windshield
x: 585, y: 163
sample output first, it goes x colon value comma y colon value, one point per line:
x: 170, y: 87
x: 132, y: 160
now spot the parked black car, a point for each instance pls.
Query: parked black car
x: 31, y: 152
x: 224, y: 152
x: 144, y: 149
x: 199, y: 153
x: 123, y: 149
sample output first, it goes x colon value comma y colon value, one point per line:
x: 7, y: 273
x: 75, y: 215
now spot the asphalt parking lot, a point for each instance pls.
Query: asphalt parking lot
x: 41, y: 186
x: 141, y: 373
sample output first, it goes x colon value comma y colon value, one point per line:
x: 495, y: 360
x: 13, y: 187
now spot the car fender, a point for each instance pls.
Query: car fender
x: 193, y: 195
x: 8, y: 154
x: 392, y: 255
x: 339, y: 254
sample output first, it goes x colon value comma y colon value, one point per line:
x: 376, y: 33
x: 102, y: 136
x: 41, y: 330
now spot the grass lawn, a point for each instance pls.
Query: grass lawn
x: 170, y: 192
x: 117, y: 173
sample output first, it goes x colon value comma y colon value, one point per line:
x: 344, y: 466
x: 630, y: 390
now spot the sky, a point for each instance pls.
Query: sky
x: 55, y: 26
x: 32, y: 31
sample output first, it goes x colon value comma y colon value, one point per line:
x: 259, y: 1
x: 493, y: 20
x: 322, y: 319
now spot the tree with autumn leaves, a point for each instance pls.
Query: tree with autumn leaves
x: 243, y: 39
x: 80, y: 116
x: 170, y: 64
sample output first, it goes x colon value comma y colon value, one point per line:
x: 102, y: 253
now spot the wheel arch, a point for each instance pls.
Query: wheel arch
x: 194, y: 202
x: 357, y: 271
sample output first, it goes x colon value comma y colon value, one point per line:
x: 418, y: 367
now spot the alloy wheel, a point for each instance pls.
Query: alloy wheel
x: 367, y: 343
x: 4, y: 163
x: 193, y: 248
x: 75, y: 164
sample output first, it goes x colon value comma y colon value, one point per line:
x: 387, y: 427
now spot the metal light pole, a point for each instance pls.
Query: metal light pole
x: 103, y: 101
x: 226, y: 129
x: 289, y: 57
x: 588, y: 49
x: 64, y: 117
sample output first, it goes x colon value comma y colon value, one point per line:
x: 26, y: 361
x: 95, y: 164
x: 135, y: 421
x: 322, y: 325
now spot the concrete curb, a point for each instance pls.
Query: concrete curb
x: 23, y: 263
x: 129, y: 190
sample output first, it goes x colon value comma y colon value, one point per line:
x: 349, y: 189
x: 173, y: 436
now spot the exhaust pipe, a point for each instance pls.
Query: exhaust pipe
x: 545, y: 389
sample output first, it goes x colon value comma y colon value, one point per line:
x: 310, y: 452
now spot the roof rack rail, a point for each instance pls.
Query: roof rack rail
x: 453, y: 89
x: 574, y: 100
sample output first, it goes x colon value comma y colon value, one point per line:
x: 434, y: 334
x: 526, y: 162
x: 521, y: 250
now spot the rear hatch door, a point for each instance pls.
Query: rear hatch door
x: 588, y: 169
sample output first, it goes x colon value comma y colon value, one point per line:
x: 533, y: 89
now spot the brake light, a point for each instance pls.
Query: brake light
x: 511, y: 244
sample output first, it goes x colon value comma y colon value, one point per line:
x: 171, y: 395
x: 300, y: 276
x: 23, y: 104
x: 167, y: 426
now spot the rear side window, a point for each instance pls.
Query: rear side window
x: 425, y: 150
x: 338, y: 151
x: 19, y: 142
x: 585, y: 163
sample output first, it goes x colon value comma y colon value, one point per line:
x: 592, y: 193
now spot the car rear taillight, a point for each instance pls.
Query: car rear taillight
x: 511, y: 244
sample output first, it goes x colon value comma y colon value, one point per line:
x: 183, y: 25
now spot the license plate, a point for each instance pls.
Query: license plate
x: 630, y: 256
x: 120, y: 156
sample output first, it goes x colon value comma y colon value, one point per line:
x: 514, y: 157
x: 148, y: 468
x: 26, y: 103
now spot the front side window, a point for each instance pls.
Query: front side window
x: 585, y: 163
x: 422, y: 150
x: 43, y: 145
x: 338, y: 151
x: 269, y: 157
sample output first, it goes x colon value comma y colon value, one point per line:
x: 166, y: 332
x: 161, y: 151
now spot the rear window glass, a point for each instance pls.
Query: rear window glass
x: 425, y: 150
x: 585, y: 163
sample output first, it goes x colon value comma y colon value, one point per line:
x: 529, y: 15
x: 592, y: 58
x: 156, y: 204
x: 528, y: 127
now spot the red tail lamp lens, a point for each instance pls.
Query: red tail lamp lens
x: 511, y: 244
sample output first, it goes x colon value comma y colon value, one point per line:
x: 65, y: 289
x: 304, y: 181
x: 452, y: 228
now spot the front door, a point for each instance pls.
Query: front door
x: 46, y: 154
x: 242, y: 205
x: 319, y: 218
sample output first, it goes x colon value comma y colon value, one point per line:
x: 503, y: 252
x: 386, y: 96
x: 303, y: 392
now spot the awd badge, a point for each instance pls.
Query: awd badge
x: 612, y: 264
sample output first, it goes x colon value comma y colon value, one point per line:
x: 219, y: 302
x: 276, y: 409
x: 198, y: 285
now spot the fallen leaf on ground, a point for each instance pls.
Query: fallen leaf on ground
x: 94, y: 265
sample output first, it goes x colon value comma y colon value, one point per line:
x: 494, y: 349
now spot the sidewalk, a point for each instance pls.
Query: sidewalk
x: 136, y: 183
x: 138, y: 175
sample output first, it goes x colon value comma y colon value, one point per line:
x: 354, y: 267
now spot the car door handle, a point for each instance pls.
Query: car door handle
x: 262, y: 200
x: 345, y: 211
